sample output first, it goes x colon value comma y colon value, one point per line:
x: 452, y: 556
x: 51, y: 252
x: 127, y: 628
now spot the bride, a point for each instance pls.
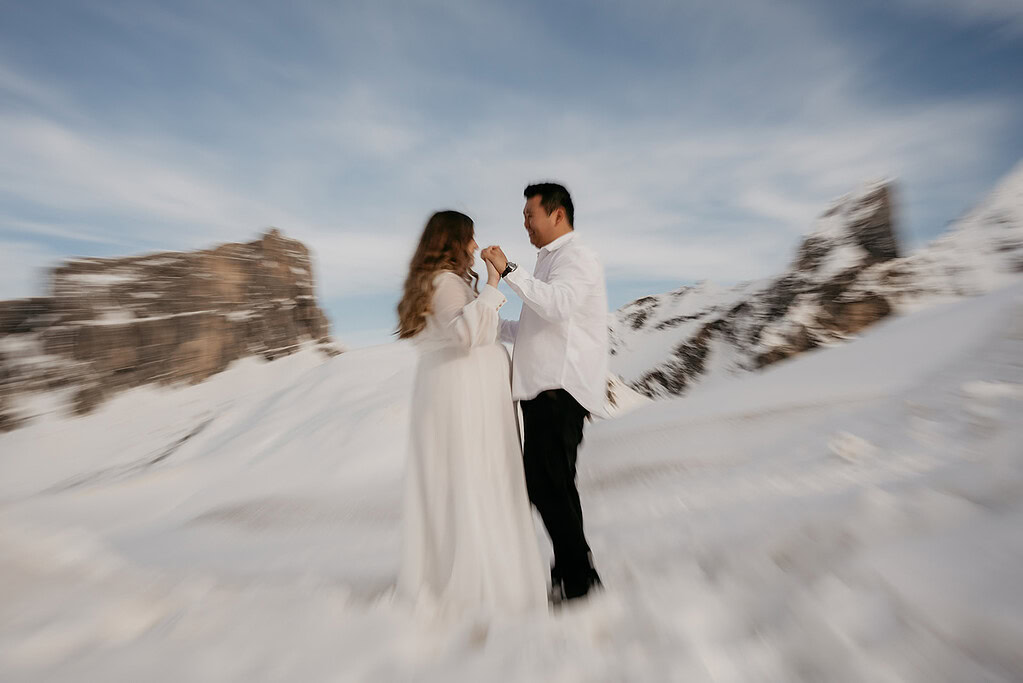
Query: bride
x: 468, y: 541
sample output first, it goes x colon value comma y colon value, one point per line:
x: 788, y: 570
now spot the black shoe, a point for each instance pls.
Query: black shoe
x: 595, y: 582
x: 557, y: 594
x: 580, y: 587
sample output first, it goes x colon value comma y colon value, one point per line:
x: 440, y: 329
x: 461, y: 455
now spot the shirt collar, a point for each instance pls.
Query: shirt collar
x: 560, y: 242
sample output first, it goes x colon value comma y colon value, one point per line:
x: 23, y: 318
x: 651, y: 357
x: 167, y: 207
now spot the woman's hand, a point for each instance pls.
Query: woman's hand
x: 494, y: 254
x: 493, y: 276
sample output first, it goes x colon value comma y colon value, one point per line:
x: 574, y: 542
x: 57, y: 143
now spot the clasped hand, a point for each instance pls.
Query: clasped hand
x: 496, y: 262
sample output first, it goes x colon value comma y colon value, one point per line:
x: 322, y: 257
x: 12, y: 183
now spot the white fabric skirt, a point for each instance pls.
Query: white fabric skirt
x: 469, y: 543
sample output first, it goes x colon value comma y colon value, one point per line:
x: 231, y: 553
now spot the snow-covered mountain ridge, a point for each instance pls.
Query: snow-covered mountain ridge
x: 846, y: 516
x: 847, y: 274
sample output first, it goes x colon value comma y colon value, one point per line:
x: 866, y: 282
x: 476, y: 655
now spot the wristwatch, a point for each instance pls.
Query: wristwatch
x: 509, y: 268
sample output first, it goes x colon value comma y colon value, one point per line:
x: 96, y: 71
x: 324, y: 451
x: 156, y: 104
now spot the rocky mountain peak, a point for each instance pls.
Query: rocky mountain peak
x: 856, y: 230
x: 113, y: 323
x: 980, y: 252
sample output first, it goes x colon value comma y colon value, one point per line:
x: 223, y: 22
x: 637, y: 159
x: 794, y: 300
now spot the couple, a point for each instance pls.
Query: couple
x: 468, y: 536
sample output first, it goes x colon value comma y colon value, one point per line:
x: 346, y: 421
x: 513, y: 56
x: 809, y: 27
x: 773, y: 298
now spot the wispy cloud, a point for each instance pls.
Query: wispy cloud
x: 16, y: 87
x: 699, y: 140
x: 74, y: 233
x: 1008, y: 14
x: 49, y: 164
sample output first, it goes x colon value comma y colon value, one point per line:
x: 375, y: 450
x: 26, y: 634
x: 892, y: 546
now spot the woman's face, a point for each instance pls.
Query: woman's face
x: 473, y: 247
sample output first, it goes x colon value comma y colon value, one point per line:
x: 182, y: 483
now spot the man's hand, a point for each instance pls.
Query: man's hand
x: 495, y: 256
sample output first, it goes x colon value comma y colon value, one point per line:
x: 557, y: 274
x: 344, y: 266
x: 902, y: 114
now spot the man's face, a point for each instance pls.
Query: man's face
x: 538, y: 224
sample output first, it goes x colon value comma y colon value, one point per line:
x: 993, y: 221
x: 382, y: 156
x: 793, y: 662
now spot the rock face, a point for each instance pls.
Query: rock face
x: 111, y: 324
x: 846, y: 275
x: 982, y: 252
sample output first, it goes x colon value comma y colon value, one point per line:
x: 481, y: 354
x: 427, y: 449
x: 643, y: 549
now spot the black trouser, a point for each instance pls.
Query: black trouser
x: 553, y: 426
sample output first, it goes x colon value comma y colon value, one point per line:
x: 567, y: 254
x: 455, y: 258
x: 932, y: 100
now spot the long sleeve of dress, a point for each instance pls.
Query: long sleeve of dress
x: 466, y: 321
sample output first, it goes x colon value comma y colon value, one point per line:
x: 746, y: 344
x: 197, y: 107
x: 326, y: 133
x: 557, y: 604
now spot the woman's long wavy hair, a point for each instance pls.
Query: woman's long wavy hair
x: 443, y: 246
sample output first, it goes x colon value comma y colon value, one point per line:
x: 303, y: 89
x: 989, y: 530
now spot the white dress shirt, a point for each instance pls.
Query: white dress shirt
x: 560, y: 339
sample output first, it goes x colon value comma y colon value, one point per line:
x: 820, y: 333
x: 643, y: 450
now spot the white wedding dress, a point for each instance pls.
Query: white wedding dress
x: 468, y: 540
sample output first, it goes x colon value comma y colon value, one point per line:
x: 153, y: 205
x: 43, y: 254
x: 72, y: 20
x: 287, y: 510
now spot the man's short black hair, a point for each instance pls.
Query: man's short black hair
x: 553, y: 196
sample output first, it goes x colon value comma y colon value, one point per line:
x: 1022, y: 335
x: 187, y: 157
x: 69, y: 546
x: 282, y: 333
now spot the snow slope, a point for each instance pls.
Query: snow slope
x: 852, y: 514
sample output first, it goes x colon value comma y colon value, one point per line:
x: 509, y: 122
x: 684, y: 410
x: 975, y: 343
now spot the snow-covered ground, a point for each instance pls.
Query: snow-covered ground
x: 853, y: 514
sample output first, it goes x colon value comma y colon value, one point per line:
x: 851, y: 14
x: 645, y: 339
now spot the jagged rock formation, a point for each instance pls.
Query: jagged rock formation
x: 847, y: 274
x: 982, y: 252
x: 111, y: 324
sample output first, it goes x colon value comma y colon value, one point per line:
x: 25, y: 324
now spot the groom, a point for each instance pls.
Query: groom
x: 559, y: 371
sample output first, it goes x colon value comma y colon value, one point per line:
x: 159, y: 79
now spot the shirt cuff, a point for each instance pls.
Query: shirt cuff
x: 491, y: 296
x: 514, y: 277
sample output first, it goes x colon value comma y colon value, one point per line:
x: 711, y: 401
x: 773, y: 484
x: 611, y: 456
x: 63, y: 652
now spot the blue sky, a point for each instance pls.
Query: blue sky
x: 699, y: 138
